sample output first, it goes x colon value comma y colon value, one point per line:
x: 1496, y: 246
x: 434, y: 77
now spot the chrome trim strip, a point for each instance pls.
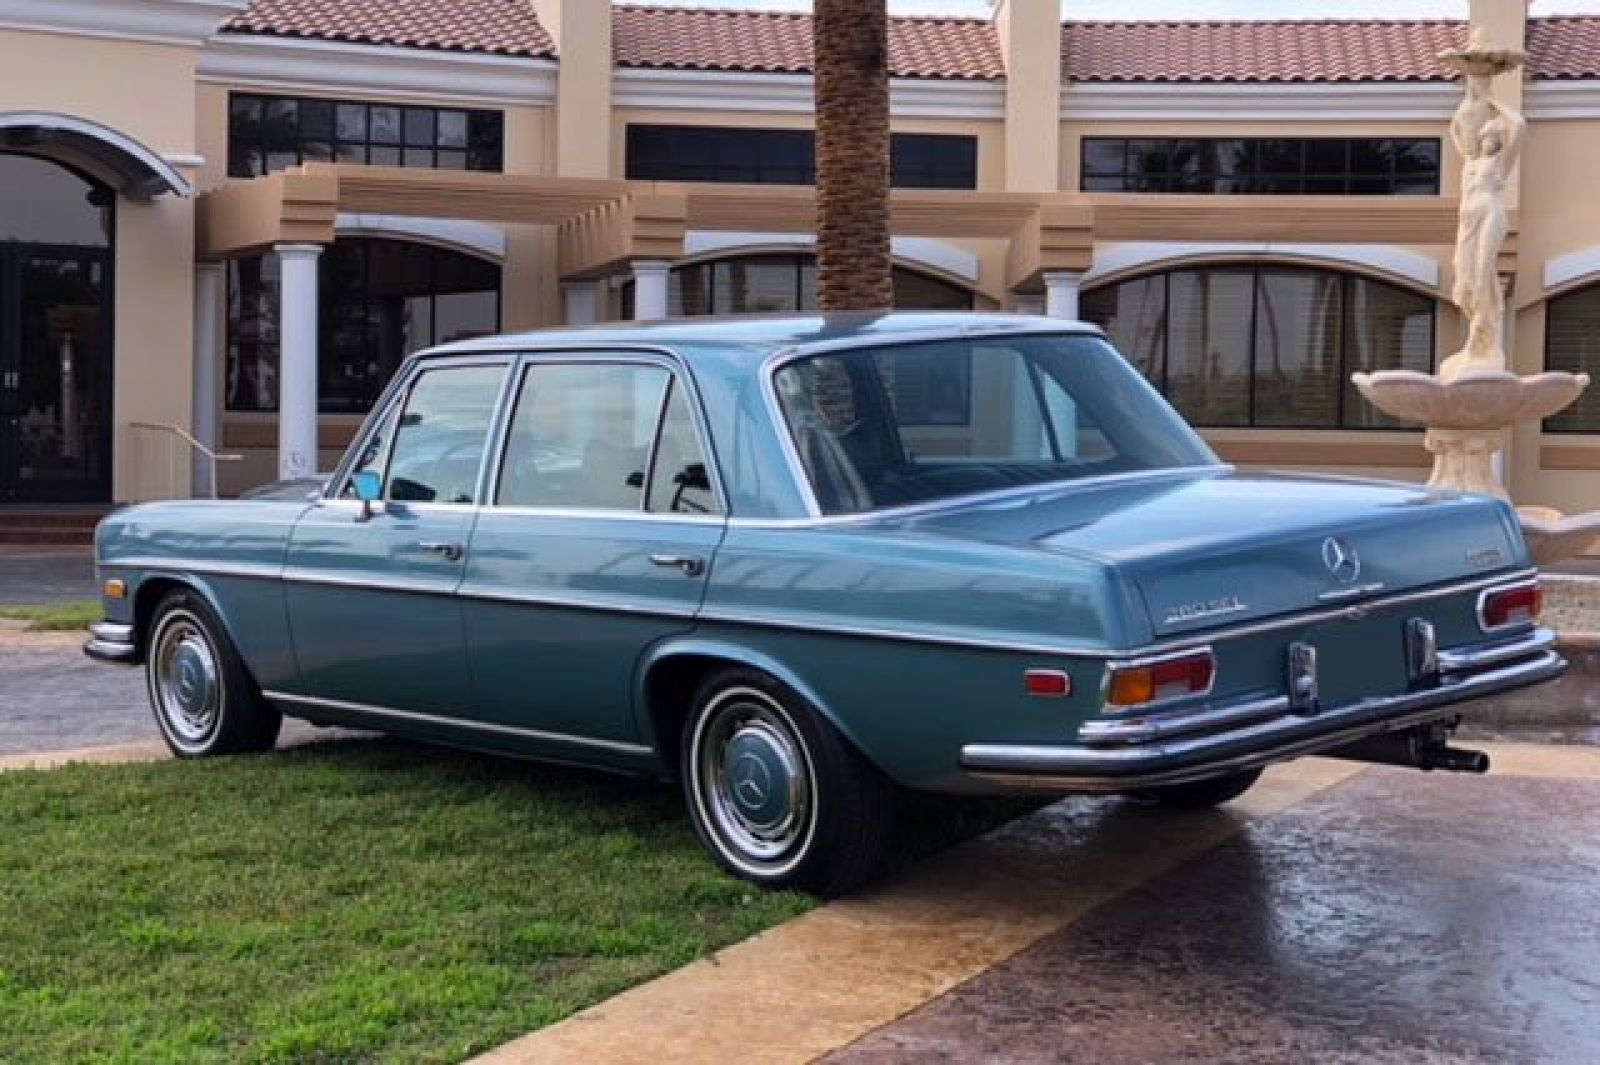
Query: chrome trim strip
x: 1359, y: 591
x: 484, y: 593
x: 1483, y: 597
x: 1476, y: 657
x: 1174, y: 644
x: 445, y: 586
x: 1145, y: 729
x: 1077, y: 768
x: 454, y: 722
x: 182, y: 566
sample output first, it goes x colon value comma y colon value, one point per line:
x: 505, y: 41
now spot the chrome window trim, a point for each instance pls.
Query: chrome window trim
x: 595, y: 514
x: 773, y: 364
x: 461, y: 723
x: 1175, y: 644
x: 1509, y: 627
x: 677, y: 370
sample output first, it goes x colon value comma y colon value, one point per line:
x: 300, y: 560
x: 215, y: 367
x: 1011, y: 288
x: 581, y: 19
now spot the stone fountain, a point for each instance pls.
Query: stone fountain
x: 1470, y: 406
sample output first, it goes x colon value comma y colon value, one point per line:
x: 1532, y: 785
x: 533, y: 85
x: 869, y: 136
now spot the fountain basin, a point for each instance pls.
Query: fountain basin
x: 1478, y: 399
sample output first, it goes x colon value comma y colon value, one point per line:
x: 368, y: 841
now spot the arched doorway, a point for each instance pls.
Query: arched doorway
x: 57, y: 229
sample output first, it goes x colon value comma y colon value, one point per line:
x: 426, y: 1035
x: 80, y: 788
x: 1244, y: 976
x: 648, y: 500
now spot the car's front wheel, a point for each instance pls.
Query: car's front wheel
x: 777, y: 796
x: 204, y: 699
x: 1201, y: 794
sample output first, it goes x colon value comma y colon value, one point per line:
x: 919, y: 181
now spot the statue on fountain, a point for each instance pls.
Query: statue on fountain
x: 1470, y: 406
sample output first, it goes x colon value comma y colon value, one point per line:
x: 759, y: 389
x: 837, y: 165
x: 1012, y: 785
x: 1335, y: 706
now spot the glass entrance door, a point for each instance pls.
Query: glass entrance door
x: 55, y: 374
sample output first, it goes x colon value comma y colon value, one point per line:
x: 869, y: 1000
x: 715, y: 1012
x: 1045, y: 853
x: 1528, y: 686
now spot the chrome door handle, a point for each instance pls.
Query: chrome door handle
x: 690, y: 565
x: 447, y: 551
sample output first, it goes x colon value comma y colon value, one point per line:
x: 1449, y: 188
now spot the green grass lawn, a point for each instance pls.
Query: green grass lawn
x: 62, y: 617
x: 357, y: 901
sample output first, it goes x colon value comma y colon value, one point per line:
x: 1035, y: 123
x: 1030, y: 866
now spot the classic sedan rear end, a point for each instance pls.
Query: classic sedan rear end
x: 798, y: 563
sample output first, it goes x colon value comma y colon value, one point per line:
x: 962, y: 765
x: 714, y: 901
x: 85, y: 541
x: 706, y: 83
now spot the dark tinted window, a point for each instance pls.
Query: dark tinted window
x: 1273, y: 166
x: 787, y: 157
x: 271, y: 133
x: 380, y: 300
x: 1572, y: 344
x: 1265, y: 346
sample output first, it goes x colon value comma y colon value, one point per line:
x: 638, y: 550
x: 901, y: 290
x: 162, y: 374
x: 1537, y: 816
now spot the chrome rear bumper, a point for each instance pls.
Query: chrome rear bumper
x: 1223, y: 738
x: 111, y: 642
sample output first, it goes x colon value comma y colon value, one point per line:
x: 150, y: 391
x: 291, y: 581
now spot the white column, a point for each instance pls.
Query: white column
x: 650, y: 289
x: 1061, y: 294
x: 583, y: 301
x: 297, y: 359
x: 207, y: 416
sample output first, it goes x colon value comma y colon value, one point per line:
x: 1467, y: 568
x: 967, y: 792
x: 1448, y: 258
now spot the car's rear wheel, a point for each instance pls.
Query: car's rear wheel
x: 777, y: 796
x: 204, y: 699
x: 1201, y: 794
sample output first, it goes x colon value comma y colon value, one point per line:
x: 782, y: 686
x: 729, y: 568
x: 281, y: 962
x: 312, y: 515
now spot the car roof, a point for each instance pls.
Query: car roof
x: 761, y: 335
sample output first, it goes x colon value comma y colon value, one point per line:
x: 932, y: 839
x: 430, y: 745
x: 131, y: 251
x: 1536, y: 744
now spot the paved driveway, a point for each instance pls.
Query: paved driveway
x: 53, y: 698
x: 32, y: 576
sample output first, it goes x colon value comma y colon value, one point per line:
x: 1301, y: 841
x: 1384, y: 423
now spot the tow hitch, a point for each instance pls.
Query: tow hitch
x: 1424, y: 747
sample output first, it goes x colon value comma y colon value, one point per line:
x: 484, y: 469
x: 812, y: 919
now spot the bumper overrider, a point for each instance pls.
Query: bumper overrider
x: 111, y: 642
x: 1227, y: 737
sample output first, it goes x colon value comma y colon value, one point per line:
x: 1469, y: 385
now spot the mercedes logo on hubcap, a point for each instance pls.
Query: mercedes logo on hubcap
x: 1341, y: 559
x: 751, y: 781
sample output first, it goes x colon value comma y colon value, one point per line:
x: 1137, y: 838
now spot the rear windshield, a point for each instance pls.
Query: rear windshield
x: 896, y: 426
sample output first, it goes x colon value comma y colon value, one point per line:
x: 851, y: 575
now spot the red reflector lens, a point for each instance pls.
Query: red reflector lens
x: 1048, y: 683
x: 1512, y: 606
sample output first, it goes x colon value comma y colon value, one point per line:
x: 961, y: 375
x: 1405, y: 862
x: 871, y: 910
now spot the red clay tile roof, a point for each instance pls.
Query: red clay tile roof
x: 1564, y: 47
x: 1303, y: 51
x: 499, y: 27
x: 779, y: 42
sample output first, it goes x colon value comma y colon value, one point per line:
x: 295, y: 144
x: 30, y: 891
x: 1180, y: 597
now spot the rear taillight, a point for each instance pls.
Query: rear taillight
x: 1141, y: 683
x: 1505, y: 608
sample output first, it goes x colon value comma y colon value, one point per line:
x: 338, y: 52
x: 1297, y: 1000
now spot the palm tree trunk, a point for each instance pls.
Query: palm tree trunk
x: 854, y: 264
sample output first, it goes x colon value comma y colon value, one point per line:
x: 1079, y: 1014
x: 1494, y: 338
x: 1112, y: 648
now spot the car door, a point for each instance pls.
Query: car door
x: 371, y: 590
x: 596, y: 542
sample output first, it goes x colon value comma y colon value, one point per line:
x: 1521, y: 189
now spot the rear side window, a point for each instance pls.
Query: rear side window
x: 581, y: 435
x: 439, y: 441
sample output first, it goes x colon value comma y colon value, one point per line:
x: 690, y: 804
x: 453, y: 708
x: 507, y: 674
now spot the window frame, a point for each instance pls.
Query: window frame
x: 678, y: 375
x: 1590, y: 287
x: 393, y: 400
x: 1255, y: 177
x: 680, y: 165
x: 1346, y: 279
x: 262, y: 142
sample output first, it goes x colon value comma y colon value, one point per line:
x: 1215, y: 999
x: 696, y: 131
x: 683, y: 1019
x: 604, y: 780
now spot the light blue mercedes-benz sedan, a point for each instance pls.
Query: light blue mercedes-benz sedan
x: 800, y: 563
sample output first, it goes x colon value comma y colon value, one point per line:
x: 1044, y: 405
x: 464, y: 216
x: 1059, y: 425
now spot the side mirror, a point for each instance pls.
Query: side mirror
x: 369, y: 489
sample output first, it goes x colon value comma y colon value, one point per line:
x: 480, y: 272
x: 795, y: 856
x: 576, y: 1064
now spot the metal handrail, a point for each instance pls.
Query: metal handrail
x: 212, y: 457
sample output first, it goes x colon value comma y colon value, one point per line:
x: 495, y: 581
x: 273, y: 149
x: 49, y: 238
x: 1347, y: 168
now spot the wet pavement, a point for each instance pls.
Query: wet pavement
x: 37, y: 576
x: 1395, y: 917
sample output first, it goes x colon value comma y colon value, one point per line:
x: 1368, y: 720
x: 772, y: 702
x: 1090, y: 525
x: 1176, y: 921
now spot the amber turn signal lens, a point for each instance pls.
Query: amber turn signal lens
x: 1157, y: 681
x: 1505, y: 607
x: 116, y: 590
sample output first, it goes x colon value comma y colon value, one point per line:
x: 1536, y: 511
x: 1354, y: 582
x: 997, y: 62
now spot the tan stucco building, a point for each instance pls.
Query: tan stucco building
x: 228, y: 220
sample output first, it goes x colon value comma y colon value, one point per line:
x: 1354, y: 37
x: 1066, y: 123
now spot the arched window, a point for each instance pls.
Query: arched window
x: 778, y: 283
x: 380, y: 300
x: 1265, y: 346
x: 1572, y: 343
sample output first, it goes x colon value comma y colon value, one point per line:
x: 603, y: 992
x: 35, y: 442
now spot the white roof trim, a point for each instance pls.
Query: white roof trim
x: 724, y: 91
x: 474, y: 238
x: 1562, y: 99
x: 183, y: 22
x: 1143, y: 257
x: 1268, y: 102
x: 922, y: 251
x: 289, y: 64
x: 1568, y: 271
x: 112, y: 157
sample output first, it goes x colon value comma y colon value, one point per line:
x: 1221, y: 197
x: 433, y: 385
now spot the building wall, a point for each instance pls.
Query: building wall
x: 146, y: 92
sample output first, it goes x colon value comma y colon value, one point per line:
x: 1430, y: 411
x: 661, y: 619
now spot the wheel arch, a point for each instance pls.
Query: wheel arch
x: 671, y: 671
x: 153, y: 587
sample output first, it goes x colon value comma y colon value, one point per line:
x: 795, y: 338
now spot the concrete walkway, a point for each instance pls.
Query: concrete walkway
x: 1335, y: 913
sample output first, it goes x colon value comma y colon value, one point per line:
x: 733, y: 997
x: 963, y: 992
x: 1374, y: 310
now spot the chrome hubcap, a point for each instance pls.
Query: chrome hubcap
x: 753, y: 778
x: 186, y: 680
